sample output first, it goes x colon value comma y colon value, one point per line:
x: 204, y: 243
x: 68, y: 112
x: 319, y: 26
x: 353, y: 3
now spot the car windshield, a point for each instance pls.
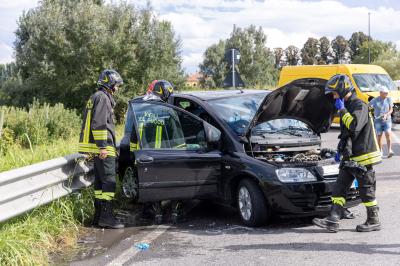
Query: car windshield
x: 282, y: 126
x: 374, y: 82
x: 237, y: 111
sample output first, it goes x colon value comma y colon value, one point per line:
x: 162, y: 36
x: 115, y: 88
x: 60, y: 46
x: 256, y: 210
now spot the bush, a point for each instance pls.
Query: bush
x: 39, y: 124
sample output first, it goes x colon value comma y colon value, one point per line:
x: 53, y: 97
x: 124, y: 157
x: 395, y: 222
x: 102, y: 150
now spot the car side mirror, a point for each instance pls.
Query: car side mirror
x: 213, y: 135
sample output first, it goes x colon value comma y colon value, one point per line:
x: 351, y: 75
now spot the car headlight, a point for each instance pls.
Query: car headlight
x: 290, y: 175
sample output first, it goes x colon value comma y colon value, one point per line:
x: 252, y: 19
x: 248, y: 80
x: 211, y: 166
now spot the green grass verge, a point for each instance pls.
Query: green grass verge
x: 30, y: 239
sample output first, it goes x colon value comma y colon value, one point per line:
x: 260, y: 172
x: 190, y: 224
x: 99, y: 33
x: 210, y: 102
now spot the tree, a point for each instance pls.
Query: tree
x: 341, y: 50
x: 213, y: 67
x: 390, y: 61
x: 325, y: 51
x: 279, y: 57
x: 310, y: 52
x: 377, y: 48
x: 292, y: 54
x: 256, y: 66
x: 62, y: 46
x: 356, y: 40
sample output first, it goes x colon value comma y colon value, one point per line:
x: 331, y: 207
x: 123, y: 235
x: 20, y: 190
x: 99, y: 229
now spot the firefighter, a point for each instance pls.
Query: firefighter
x: 358, y: 151
x: 97, y: 139
x: 158, y: 90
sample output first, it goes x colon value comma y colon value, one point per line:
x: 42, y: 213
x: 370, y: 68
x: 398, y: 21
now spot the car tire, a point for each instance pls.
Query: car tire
x: 251, y: 204
x: 130, y: 184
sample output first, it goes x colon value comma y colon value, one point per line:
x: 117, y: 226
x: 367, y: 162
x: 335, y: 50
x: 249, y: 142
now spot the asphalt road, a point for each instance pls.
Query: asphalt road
x: 213, y: 235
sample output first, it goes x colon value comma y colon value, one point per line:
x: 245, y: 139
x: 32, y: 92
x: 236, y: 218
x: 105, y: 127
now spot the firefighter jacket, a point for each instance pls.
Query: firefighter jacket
x: 357, y: 135
x: 98, y: 128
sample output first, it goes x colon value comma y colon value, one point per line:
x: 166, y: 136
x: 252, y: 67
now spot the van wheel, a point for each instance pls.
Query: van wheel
x: 251, y: 203
x: 130, y: 184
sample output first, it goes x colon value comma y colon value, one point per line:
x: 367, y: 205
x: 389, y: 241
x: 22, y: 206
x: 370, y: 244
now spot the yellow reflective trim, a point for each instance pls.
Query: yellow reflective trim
x: 349, y: 121
x: 338, y: 201
x: 133, y: 146
x: 87, y: 126
x: 141, y: 125
x: 366, y: 156
x: 157, y: 145
x: 98, y: 192
x: 370, y: 203
x: 100, y: 134
x: 371, y: 161
x: 108, y: 195
x: 333, y: 86
x: 92, y: 148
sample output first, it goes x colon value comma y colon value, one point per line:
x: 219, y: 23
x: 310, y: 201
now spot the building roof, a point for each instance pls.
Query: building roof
x: 194, y: 77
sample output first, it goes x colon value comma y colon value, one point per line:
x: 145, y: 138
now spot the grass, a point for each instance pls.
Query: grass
x: 32, y: 238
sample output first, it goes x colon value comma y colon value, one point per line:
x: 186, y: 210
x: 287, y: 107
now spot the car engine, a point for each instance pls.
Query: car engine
x: 296, y: 157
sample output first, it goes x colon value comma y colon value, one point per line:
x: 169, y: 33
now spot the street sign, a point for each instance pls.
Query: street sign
x: 232, y: 56
x: 233, y: 79
x: 228, y: 82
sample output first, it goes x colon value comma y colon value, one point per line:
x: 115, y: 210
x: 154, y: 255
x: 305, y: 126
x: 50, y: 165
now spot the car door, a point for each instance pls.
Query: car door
x: 174, y: 159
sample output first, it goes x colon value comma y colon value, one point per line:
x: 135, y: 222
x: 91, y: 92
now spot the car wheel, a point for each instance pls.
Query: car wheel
x: 251, y: 203
x: 130, y: 184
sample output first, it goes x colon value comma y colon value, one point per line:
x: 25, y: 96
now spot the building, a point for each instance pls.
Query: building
x: 193, y: 80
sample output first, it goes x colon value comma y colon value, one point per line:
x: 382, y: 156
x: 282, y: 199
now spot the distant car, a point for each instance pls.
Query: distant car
x: 256, y: 150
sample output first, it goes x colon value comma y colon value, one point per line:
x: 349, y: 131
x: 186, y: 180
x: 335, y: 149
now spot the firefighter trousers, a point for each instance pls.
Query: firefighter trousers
x: 366, y: 183
x: 104, y: 178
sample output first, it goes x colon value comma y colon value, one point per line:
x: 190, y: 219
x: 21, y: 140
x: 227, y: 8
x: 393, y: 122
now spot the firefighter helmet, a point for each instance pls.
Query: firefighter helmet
x: 341, y: 84
x: 109, y: 78
x: 159, y: 90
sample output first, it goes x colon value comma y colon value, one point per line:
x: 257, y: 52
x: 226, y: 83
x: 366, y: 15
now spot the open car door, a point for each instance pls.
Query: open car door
x: 175, y: 158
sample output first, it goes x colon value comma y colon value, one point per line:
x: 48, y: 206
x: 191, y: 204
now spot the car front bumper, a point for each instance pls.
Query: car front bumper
x: 306, y: 199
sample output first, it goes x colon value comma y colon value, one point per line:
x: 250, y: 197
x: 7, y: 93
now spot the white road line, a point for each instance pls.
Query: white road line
x: 130, y: 252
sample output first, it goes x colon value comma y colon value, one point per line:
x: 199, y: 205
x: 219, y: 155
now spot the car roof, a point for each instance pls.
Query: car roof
x: 210, y: 95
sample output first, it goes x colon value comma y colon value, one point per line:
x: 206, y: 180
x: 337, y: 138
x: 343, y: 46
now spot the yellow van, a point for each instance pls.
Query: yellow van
x: 367, y: 80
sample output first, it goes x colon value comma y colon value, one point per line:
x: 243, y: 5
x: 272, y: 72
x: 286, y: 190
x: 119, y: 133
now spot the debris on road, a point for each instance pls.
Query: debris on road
x: 142, y: 246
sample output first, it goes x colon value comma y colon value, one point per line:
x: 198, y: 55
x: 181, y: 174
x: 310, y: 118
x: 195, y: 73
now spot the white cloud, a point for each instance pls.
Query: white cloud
x: 202, y: 23
x: 6, y: 52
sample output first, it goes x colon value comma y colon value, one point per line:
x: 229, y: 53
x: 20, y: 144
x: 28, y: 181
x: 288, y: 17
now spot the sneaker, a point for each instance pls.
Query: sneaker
x: 391, y: 153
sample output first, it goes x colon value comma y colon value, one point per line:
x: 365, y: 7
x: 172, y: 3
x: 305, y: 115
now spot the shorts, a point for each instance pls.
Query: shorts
x: 383, y: 126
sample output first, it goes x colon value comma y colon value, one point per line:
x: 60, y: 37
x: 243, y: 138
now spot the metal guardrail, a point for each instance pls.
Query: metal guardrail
x: 26, y: 188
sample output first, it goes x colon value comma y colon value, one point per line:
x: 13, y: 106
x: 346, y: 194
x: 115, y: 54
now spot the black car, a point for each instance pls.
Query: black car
x: 257, y: 150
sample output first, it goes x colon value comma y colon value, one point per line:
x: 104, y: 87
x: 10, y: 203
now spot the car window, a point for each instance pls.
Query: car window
x: 282, y: 126
x: 163, y: 127
x: 237, y: 112
x: 195, y: 109
x: 374, y: 82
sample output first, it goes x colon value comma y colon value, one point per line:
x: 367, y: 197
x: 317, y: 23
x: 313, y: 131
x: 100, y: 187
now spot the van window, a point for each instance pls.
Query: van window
x: 374, y: 82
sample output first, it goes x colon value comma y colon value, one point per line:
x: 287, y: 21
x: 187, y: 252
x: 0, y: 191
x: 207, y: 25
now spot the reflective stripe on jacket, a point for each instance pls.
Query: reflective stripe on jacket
x: 356, y: 123
x: 98, y: 128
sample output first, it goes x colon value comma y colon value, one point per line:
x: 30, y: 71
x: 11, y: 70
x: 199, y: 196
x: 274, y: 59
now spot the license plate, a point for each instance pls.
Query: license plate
x: 355, y: 184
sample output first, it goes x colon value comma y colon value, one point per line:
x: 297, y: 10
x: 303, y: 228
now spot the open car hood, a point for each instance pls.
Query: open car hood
x: 302, y: 99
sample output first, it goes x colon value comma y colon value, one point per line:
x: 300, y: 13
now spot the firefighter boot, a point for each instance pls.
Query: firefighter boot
x: 347, y: 214
x: 107, y: 217
x: 177, y: 215
x: 97, y: 211
x: 331, y: 223
x: 372, y: 223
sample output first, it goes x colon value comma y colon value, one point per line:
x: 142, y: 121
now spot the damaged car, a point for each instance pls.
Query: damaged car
x: 256, y: 150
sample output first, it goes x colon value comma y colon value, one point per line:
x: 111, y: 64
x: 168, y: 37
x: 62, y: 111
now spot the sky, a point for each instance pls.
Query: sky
x: 201, y: 23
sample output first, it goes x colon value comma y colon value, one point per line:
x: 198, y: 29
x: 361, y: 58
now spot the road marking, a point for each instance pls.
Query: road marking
x: 130, y: 252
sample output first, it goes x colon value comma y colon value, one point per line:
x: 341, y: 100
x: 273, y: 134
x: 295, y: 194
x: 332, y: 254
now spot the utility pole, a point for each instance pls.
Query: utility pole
x: 369, y: 37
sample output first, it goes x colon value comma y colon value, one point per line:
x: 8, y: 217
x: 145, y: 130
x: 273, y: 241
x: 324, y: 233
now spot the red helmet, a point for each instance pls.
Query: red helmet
x: 159, y: 90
